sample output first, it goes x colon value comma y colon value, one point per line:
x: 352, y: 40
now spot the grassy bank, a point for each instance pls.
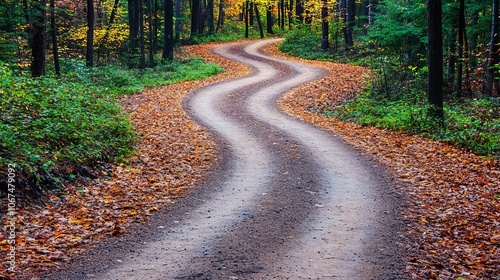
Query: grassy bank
x: 59, y: 128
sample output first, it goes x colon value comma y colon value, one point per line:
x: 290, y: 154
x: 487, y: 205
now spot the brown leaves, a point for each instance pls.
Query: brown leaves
x: 453, y: 195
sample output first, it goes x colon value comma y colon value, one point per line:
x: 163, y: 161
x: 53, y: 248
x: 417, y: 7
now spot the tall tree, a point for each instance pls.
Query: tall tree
x: 220, y: 18
x: 259, y: 21
x: 195, y: 15
x: 55, y: 49
x: 246, y: 6
x: 178, y: 23
x: 324, y: 25
x: 435, y: 57
x: 38, y: 45
x: 150, y: 34
x: 461, y: 37
x: 269, y: 20
x: 89, y: 56
x: 142, y: 44
x: 168, y: 46
x: 492, y: 83
x: 134, y: 26
x: 299, y: 11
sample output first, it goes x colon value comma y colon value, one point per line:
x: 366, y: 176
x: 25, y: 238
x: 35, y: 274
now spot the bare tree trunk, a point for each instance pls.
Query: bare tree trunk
x: 246, y: 18
x: 195, y: 14
x: 269, y: 20
x: 259, y: 21
x: 324, y: 25
x: 491, y: 81
x: 89, y: 56
x: 168, y: 46
x: 435, y: 75
x: 461, y: 32
x: 38, y: 46
x: 220, y: 19
x: 150, y: 34
x: 55, y: 49
x: 142, y: 44
x: 178, y: 24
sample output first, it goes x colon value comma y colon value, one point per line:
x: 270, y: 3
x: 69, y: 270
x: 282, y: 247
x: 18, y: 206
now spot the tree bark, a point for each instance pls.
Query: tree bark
x: 168, y: 46
x: 491, y: 79
x: 133, y: 14
x: 89, y: 56
x: 150, y: 34
x: 142, y: 44
x: 269, y: 20
x: 178, y: 24
x: 210, y: 18
x: 324, y: 25
x: 435, y: 58
x: 55, y: 49
x: 299, y: 11
x: 38, y: 46
x: 195, y: 14
x: 259, y: 21
x: 461, y: 32
x: 246, y: 18
x: 220, y: 19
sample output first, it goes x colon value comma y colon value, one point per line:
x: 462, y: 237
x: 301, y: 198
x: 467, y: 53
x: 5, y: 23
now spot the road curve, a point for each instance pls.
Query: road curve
x: 288, y: 200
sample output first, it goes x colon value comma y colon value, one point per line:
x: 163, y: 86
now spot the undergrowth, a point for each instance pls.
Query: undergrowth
x: 396, y: 98
x: 58, y: 128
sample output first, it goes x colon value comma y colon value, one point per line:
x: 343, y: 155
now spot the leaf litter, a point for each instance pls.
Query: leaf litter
x: 453, y: 196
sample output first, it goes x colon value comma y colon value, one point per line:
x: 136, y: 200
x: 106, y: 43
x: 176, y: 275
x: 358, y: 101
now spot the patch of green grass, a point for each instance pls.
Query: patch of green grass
x: 50, y: 127
x: 305, y: 42
x: 473, y: 124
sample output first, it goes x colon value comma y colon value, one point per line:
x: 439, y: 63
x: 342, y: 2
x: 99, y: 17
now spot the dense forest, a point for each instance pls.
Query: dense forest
x: 413, y: 83
x: 63, y: 64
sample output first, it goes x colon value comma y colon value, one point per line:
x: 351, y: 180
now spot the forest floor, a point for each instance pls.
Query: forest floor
x: 452, y: 195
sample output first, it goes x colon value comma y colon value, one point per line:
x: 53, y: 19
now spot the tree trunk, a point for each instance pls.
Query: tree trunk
x: 211, y: 27
x: 150, y: 34
x: 155, y: 25
x: 282, y: 2
x: 178, y: 23
x: 290, y: 15
x: 168, y: 46
x: 349, y: 19
x: 142, y: 44
x: 133, y: 14
x: 461, y: 32
x: 250, y: 11
x: 299, y: 11
x: 38, y: 46
x: 89, y: 56
x: 195, y: 14
x: 324, y: 25
x: 269, y: 20
x: 435, y: 74
x: 259, y: 21
x: 491, y: 79
x: 220, y: 19
x: 55, y: 49
x: 246, y: 18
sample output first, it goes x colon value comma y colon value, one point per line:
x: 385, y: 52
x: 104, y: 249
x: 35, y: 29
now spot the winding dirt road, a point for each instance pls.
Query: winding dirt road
x: 287, y: 200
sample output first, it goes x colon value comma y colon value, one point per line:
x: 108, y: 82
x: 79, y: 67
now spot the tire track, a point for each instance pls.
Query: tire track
x: 291, y: 201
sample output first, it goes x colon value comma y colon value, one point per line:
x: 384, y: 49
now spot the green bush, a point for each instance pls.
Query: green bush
x: 305, y: 42
x: 51, y: 127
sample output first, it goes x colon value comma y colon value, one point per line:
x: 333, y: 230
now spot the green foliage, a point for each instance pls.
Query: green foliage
x: 305, y: 41
x: 472, y: 124
x: 52, y: 127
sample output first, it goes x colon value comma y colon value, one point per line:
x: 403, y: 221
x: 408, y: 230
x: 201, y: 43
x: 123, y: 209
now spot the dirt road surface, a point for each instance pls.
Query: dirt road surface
x: 287, y: 200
